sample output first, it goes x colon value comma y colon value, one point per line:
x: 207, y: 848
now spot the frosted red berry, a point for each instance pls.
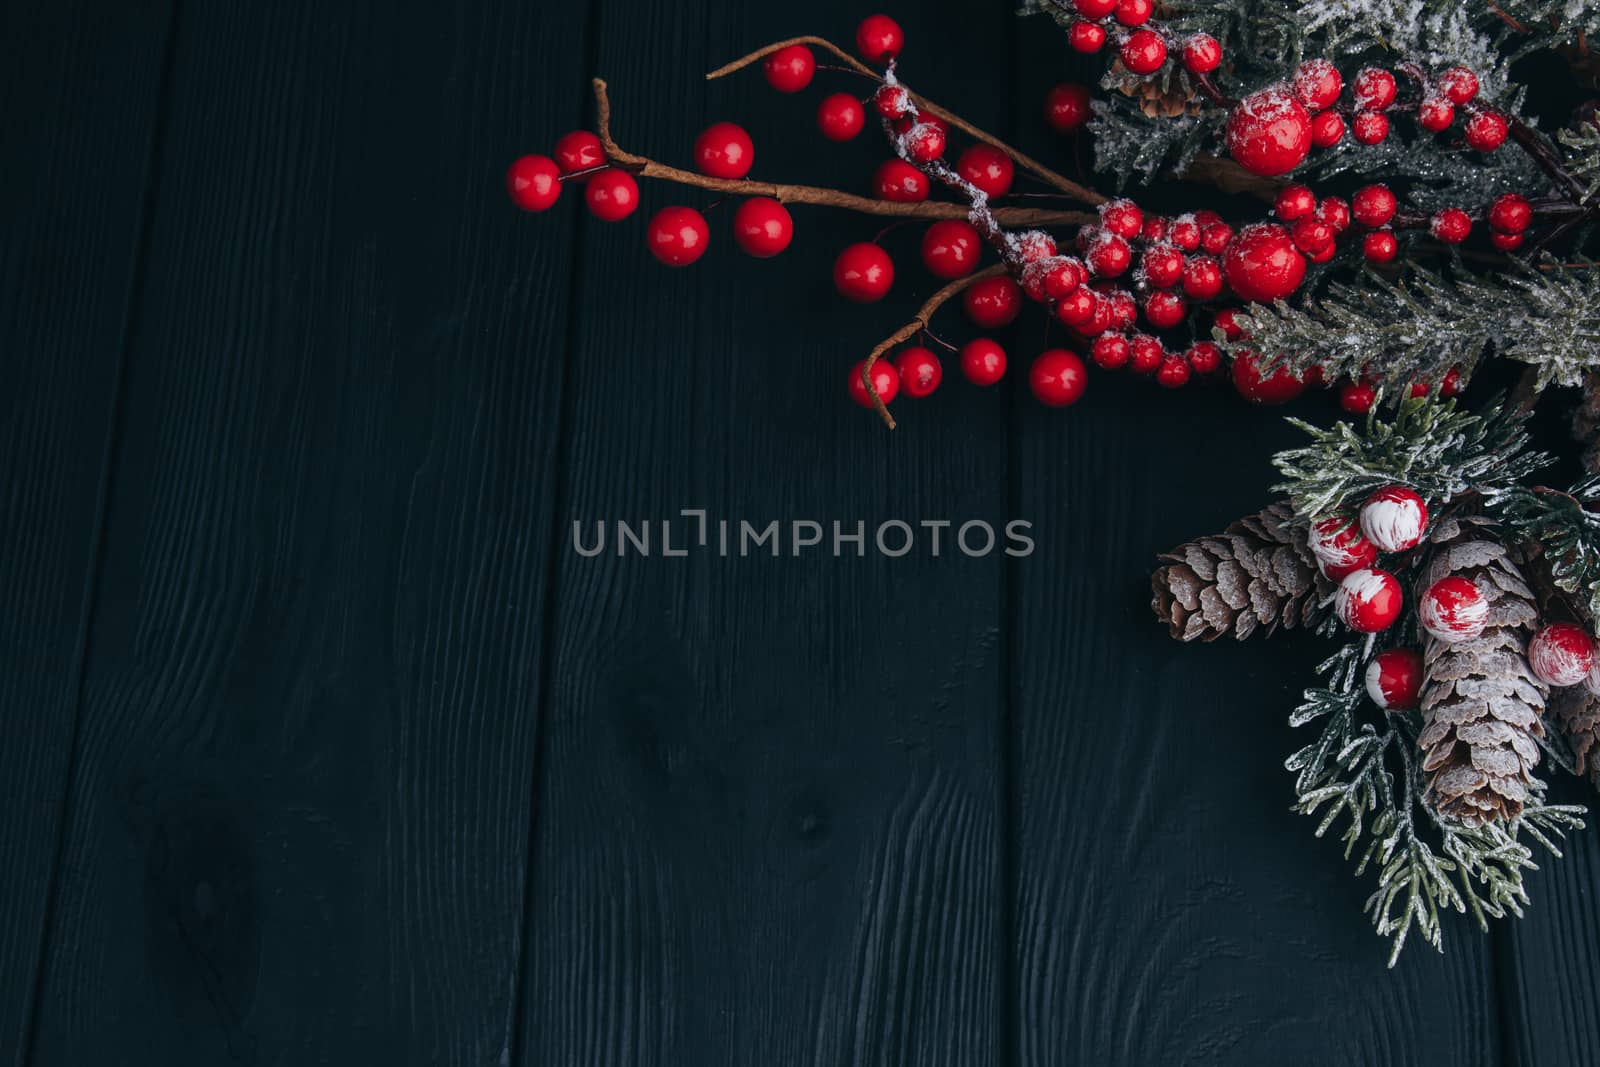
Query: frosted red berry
x: 983, y: 361
x: 579, y: 150
x: 1451, y: 225
x: 724, y: 150
x: 1510, y: 213
x: 1394, y: 679
x: 1162, y: 266
x: 891, y: 101
x: 1369, y: 127
x: 1108, y: 256
x: 1261, y: 263
x: 1317, y: 84
x: 1374, y: 89
x: 1185, y: 233
x: 1357, y: 398
x: 789, y: 70
x: 1058, y: 378
x: 841, y: 117
x: 1035, y: 245
x: 1339, y: 547
x: 1459, y: 85
x: 1294, y: 202
x: 762, y: 227
x: 1435, y: 114
x: 1086, y: 37
x: 925, y: 141
x: 1094, y: 9
x: 993, y: 302
x: 678, y: 236
x: 1066, y: 107
x: 863, y: 273
x: 1269, y: 132
x: 534, y: 183
x: 1380, y: 246
x: 612, y: 195
x: 1110, y: 351
x: 1202, y: 278
x: 898, y: 181
x: 1215, y: 237
x: 1164, y: 309
x: 988, y: 168
x: 885, y: 382
x: 1122, y: 217
x: 1335, y: 211
x: 1373, y: 205
x: 1227, y: 321
x: 1327, y: 129
x: 1561, y: 654
x: 1145, y: 354
x: 1173, y: 373
x: 1453, y: 610
x: 1369, y: 600
x: 919, y: 370
x: 1312, y: 235
x: 1204, y: 357
x: 1279, y: 387
x: 1486, y: 131
x: 1201, y: 53
x: 1134, y: 12
x: 1143, y: 52
x: 879, y: 39
x: 951, y: 248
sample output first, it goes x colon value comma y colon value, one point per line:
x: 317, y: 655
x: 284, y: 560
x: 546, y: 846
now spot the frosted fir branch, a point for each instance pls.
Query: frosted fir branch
x: 1529, y: 25
x: 1582, y: 149
x: 1429, y: 445
x: 1438, y: 33
x: 1567, y: 531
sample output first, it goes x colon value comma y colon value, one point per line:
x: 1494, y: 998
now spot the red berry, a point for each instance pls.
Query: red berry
x: 678, y: 236
x: 1357, y: 398
x: 1323, y: 254
x: 1335, y: 211
x: 1173, y: 372
x: 1164, y: 309
x: 1077, y: 308
x: 1262, y: 263
x: 1094, y: 9
x: 762, y: 227
x: 1063, y: 278
x: 1227, y: 321
x: 950, y: 248
x: 1185, y: 233
x: 1066, y: 107
x: 1269, y: 132
x: 1086, y: 37
x: 1206, y: 217
x: 1453, y: 610
x: 1204, y: 357
x: 1312, y: 236
x: 1058, y: 378
x: 1035, y: 245
x: 1201, y: 53
x: 1144, y: 51
x: 1380, y: 246
x: 1561, y: 654
x: 1124, y: 309
x: 1369, y: 127
x: 1109, y: 351
x: 900, y: 182
x: 579, y: 150
x: 1394, y: 679
x: 612, y: 195
x: 1369, y: 600
x: 1327, y: 129
x: 790, y: 69
x: 983, y: 361
x: 925, y: 141
x: 1104, y: 317
x: 863, y: 273
x: 1202, y: 278
x: 920, y: 371
x: 891, y: 101
x: 724, y: 150
x: 1374, y: 89
x: 1486, y: 131
x: 1340, y: 547
x: 1279, y: 387
x: 988, y: 168
x: 1294, y: 202
x: 1162, y: 266
x: 993, y: 302
x: 1145, y: 353
x: 1435, y: 113
x: 534, y: 183
x: 1122, y: 217
x: 1108, y: 256
x: 840, y: 117
x: 1154, y: 229
x: 1134, y: 12
x: 1317, y: 84
x: 1510, y: 213
x: 1394, y: 518
x: 1459, y: 85
x: 1215, y: 237
x: 879, y: 39
x: 1452, y: 382
x: 885, y: 382
x: 1506, y: 242
x: 1373, y: 205
x: 1451, y: 225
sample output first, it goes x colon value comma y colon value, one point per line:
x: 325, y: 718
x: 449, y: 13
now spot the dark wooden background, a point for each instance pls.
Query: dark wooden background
x: 322, y: 746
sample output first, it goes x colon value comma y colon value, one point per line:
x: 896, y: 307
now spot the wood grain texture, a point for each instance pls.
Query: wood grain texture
x: 768, y: 829
x: 79, y: 99
x: 299, y: 828
x: 1170, y: 908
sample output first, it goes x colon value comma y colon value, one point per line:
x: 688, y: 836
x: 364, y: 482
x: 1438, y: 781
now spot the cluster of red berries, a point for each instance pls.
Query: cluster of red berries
x: 1143, y: 48
x: 1057, y: 376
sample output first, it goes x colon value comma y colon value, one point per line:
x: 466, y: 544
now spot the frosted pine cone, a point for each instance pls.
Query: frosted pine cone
x: 1577, y: 712
x: 1481, y: 704
x: 1258, y: 574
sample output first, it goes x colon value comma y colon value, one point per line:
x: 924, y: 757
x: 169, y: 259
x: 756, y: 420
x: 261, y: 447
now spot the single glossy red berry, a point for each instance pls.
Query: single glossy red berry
x: 1201, y: 53
x: 678, y: 236
x: 1109, y: 351
x: 762, y: 227
x: 1510, y: 213
x: 1122, y: 217
x: 1451, y: 225
x: 1086, y: 37
x: 1108, y: 255
x: 1262, y: 263
x: 1215, y: 237
x: 1204, y: 357
x: 1134, y: 12
x: 1486, y: 131
x: 1335, y: 211
x: 1164, y: 309
x: 1317, y: 84
x: 1279, y: 387
x: 1357, y: 397
x: 1185, y: 233
x: 1227, y: 321
x: 1103, y: 319
x: 1145, y: 353
x: 1269, y: 132
x: 863, y: 273
x: 1369, y: 127
x: 1144, y: 51
x: 1066, y: 107
x: 1124, y: 309
x: 920, y: 371
x: 1374, y: 89
x: 534, y: 183
x: 612, y: 195
x: 724, y: 150
x: 1077, y: 308
x: 885, y: 382
x: 1058, y: 378
x: 1506, y: 242
x: 879, y: 39
x: 1312, y: 235
x: 1173, y: 372
x: 1435, y: 114
x: 891, y: 101
x: 983, y: 361
x: 1162, y: 266
x: 1094, y: 9
x: 579, y: 150
x: 1380, y: 246
x: 1459, y: 85
x: 900, y: 182
x: 1294, y: 202
x: 1202, y: 278
x: 988, y: 168
x: 1373, y: 205
x: 951, y: 248
x: 790, y: 69
x: 1369, y: 600
x: 841, y: 117
x: 1153, y: 230
x: 993, y: 302
x: 1062, y: 279
x: 925, y: 141
x: 1327, y: 129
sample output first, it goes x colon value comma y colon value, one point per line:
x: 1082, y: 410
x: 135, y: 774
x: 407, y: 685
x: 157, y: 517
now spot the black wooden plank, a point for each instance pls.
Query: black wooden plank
x: 1170, y: 908
x: 300, y: 822
x: 769, y: 824
x: 79, y: 100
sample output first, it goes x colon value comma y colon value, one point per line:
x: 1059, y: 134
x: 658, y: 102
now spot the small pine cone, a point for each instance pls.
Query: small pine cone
x: 1481, y: 704
x: 1258, y: 574
x: 1577, y: 712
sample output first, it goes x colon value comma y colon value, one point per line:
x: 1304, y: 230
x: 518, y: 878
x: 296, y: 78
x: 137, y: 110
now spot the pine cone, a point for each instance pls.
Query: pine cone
x: 1577, y: 712
x: 1481, y: 704
x: 1259, y: 573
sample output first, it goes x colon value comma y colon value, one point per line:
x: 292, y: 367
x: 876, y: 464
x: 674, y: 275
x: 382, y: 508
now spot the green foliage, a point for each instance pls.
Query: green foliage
x: 1430, y: 445
x: 1567, y: 529
x: 1582, y: 147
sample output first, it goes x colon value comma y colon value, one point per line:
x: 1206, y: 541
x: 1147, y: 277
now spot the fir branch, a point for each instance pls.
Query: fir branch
x: 1567, y: 529
x: 1583, y: 156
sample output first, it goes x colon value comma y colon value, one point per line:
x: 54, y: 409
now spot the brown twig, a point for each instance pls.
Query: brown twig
x: 645, y: 167
x: 1081, y: 193
x: 915, y: 326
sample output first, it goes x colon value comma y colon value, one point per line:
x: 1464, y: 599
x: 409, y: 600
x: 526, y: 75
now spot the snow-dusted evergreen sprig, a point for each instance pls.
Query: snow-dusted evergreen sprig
x: 1429, y: 445
x: 1567, y: 529
x: 1582, y: 147
x: 1530, y: 25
